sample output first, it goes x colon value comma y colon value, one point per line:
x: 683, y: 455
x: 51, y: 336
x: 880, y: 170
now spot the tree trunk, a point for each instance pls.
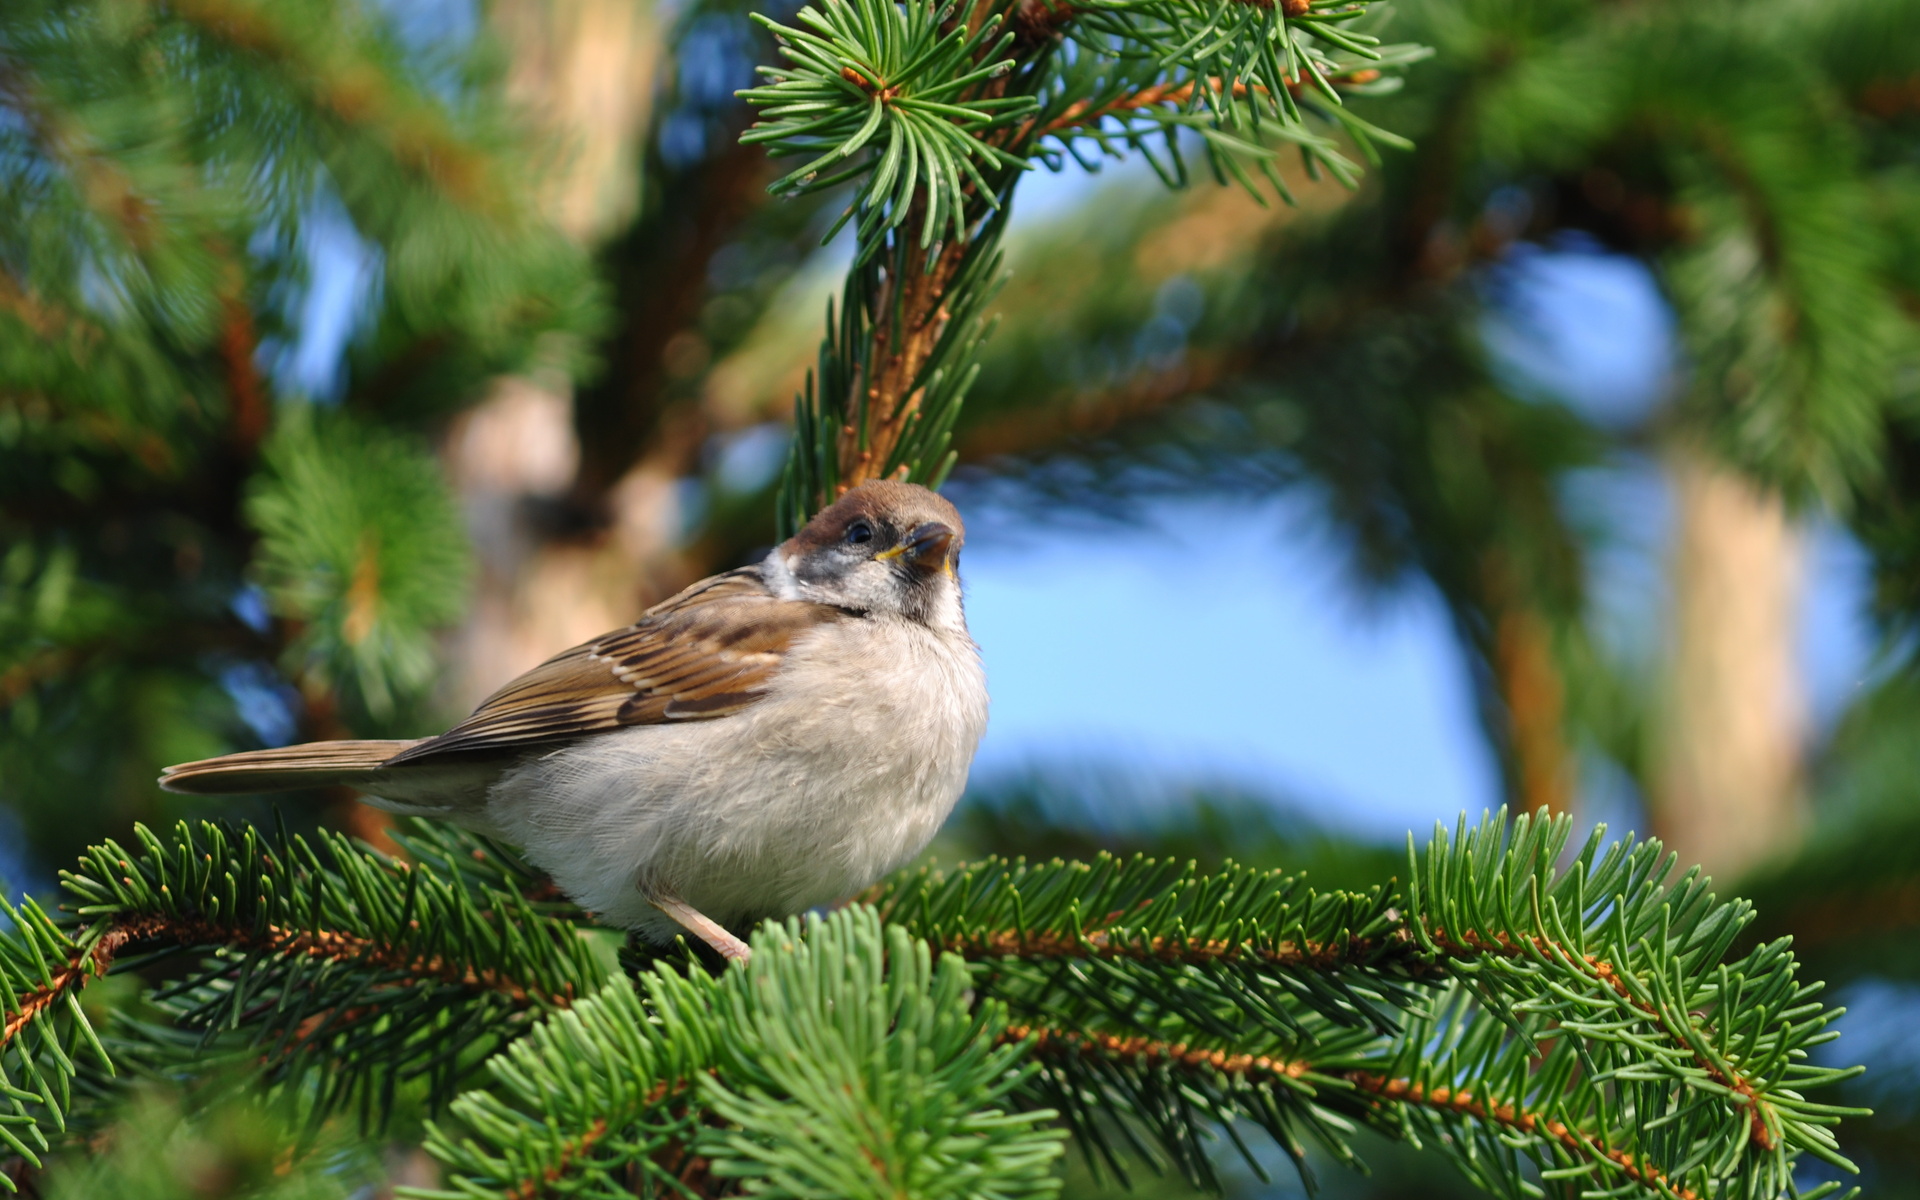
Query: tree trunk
x: 1533, y: 694
x: 1727, y: 757
x: 584, y: 71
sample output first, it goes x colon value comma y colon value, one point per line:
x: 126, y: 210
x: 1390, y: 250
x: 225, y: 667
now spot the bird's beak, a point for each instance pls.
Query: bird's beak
x: 926, y: 549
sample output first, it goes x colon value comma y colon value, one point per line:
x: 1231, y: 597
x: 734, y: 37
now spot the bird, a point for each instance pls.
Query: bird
x: 772, y: 739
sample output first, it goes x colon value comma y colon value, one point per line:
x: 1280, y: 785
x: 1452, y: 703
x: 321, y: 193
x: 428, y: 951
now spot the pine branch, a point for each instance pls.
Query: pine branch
x: 1339, y: 1087
x: 1086, y: 113
x: 1597, y: 969
x: 893, y: 370
x: 330, y: 960
x: 105, y: 186
x: 1115, y: 934
x: 1538, y: 1017
x: 1593, y: 1007
x: 167, y: 172
x: 170, y: 1144
x: 843, y: 1060
x: 932, y: 117
x: 1584, y: 1021
x: 362, y: 546
x: 355, y: 91
x: 1463, y: 1103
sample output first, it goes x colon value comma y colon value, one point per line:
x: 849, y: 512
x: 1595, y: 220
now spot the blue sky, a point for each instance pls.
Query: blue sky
x: 1217, y: 641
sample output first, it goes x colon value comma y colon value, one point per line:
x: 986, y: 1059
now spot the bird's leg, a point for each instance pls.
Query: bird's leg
x: 703, y: 927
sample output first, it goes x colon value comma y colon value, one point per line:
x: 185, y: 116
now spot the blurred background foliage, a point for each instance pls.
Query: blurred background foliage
x: 355, y: 357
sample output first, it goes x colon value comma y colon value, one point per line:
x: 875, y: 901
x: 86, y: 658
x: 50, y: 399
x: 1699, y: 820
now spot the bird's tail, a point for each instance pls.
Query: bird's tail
x: 316, y: 764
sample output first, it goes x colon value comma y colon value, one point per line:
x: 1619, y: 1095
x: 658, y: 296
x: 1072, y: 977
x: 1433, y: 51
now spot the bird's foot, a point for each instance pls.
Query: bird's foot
x: 703, y: 927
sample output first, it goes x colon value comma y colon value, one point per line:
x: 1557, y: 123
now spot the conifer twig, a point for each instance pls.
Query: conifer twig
x: 357, y: 94
x: 1471, y: 945
x: 1082, y: 113
x: 1464, y: 1103
x: 1148, y: 1053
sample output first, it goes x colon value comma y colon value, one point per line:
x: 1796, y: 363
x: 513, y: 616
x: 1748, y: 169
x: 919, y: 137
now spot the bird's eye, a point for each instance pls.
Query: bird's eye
x: 859, y: 533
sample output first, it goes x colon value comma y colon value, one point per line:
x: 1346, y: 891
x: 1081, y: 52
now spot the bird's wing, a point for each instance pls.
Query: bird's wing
x: 710, y: 651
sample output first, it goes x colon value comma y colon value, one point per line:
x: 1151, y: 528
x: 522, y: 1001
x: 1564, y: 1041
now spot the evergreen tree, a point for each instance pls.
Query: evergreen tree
x: 1544, y: 1016
x: 183, y: 522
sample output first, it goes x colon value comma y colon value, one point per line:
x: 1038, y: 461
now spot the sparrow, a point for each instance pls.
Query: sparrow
x: 771, y: 739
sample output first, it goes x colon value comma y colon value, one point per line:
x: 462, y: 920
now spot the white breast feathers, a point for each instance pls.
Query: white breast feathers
x: 842, y: 773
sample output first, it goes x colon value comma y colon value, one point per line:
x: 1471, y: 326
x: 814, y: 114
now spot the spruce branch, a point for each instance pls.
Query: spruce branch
x: 362, y: 548
x: 932, y: 113
x: 1593, y: 1006
x: 1116, y: 933
x: 295, y: 43
x: 1520, y: 1009
x: 844, y: 1060
x: 1339, y: 1087
x: 1493, y: 1113
x: 906, y: 80
x: 894, y: 369
x: 103, y: 184
x: 319, y: 957
x: 1087, y: 113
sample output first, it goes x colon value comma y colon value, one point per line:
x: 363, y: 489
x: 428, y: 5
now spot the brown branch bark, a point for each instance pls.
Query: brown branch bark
x: 693, y: 1172
x: 1314, y: 956
x: 1535, y: 695
x: 916, y: 292
x: 1890, y: 98
x: 1494, y: 1112
x: 1532, y: 690
x: 1063, y: 1043
x: 1085, y: 112
x: 93, y: 962
x: 249, y: 412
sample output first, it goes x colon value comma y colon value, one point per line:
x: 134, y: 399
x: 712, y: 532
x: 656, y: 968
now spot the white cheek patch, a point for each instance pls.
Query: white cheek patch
x: 871, y: 586
x: 779, y: 576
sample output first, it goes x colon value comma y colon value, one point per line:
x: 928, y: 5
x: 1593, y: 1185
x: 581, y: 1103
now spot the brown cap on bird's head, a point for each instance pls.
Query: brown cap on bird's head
x: 906, y: 520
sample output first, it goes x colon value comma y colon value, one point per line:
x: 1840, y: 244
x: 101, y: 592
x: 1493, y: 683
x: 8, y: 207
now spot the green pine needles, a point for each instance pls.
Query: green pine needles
x: 845, y: 1060
x: 932, y: 113
x: 188, y: 510
x: 1500, y: 994
x: 896, y: 77
x: 1547, y: 1020
x: 361, y: 545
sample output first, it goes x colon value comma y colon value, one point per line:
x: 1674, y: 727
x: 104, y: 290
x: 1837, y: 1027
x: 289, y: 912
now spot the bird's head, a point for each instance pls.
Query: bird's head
x: 884, y: 547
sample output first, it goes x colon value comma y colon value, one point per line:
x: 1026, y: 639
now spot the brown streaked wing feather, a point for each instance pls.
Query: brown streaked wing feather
x: 710, y: 651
